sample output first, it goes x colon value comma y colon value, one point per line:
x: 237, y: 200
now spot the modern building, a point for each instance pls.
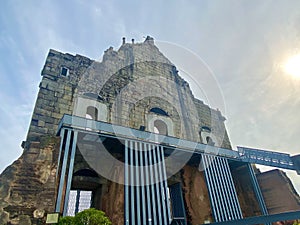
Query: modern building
x: 126, y: 135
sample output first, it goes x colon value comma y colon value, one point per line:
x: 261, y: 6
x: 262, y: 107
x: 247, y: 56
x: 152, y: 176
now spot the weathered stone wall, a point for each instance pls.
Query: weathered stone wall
x: 278, y: 192
x: 245, y: 192
x: 27, y: 187
x: 196, y: 196
x: 56, y: 94
x: 129, y: 82
x: 113, y: 202
x: 124, y: 81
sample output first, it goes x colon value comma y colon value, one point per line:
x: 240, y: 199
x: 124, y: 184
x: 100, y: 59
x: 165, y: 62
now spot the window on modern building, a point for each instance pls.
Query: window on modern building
x: 160, y: 127
x: 91, y: 113
x: 64, y: 71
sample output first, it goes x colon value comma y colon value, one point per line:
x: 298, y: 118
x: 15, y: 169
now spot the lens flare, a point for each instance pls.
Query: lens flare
x: 292, y: 66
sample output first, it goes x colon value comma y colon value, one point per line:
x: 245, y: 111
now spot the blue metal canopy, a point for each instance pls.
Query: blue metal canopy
x: 243, y: 154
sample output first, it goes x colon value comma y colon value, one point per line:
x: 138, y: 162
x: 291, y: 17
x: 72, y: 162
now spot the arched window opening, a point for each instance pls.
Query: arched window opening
x: 210, y: 141
x: 205, y: 129
x: 88, y: 116
x: 86, y: 173
x: 159, y: 111
x: 155, y: 130
x: 91, y: 113
x: 160, y: 127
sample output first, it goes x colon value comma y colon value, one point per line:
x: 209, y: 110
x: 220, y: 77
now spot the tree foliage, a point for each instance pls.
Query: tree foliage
x: 67, y: 220
x: 86, y: 217
x: 296, y: 222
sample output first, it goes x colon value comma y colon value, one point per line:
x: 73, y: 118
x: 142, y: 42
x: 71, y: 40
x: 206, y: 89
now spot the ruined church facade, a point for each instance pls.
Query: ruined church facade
x: 126, y: 136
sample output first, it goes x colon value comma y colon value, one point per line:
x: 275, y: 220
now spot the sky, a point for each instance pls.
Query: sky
x: 245, y: 44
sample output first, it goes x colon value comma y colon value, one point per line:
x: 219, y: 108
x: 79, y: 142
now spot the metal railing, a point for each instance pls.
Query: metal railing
x: 268, y: 158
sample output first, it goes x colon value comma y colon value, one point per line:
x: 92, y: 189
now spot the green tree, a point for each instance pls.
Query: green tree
x: 296, y: 222
x: 67, y: 220
x: 86, y: 217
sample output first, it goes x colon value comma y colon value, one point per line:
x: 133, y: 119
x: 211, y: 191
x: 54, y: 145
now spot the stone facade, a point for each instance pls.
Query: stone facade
x: 278, y: 192
x: 245, y: 190
x: 153, y: 82
x: 126, y: 88
x: 28, y: 186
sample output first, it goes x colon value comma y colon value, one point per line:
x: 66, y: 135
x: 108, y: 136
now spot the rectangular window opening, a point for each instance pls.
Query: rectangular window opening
x: 79, y: 200
x: 64, y: 71
x: 34, y: 122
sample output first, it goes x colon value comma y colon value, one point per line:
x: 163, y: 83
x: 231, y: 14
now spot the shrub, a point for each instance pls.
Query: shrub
x: 67, y: 220
x: 86, y: 217
x: 92, y: 217
x: 296, y: 222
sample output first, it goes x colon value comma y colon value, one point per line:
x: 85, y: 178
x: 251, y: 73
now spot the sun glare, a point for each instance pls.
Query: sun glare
x: 292, y: 66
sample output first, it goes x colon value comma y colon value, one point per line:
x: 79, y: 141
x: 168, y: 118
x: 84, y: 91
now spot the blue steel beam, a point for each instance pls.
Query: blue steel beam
x: 62, y: 134
x: 154, y: 219
x: 224, y: 200
x: 137, y: 183
x: 212, y: 196
x: 143, y: 196
x: 268, y: 158
x: 63, y: 173
x: 148, y: 182
x: 265, y: 219
x: 231, y: 189
x: 296, y: 161
x: 146, y: 193
x: 70, y: 173
x: 249, y: 155
x: 132, y: 175
x: 257, y: 190
x: 218, y: 188
x: 163, y: 188
x: 156, y: 183
x: 129, y: 133
x: 164, y: 173
x: 126, y: 183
